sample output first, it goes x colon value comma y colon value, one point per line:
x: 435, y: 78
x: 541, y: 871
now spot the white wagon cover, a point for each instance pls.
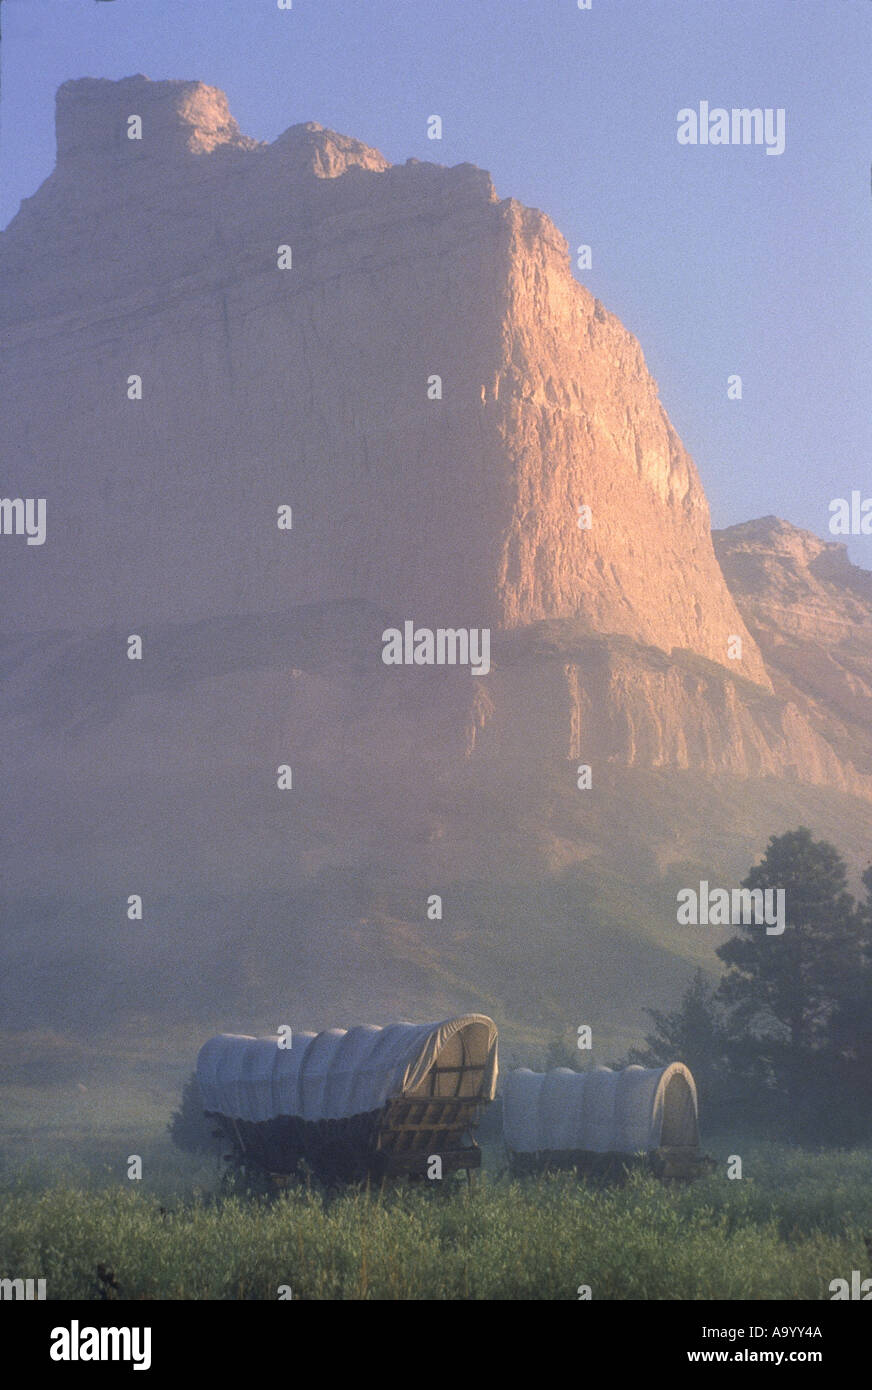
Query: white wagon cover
x: 339, y: 1073
x: 634, y: 1110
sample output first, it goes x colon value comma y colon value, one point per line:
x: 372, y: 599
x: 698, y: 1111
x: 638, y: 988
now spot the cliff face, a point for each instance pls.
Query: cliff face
x: 581, y: 422
x: 312, y: 388
x: 454, y: 504
x: 309, y: 387
x: 810, y: 611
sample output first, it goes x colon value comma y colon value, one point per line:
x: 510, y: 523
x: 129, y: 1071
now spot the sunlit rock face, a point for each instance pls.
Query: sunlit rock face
x: 314, y: 386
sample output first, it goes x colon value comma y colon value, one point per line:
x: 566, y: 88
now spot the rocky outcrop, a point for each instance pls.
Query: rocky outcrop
x: 719, y: 693
x: 312, y: 387
x: 810, y: 611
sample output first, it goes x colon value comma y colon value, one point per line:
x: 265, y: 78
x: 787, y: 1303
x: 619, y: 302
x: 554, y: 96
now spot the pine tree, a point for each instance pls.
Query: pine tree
x: 692, y: 1034
x: 851, y: 1027
x: 190, y: 1128
x: 782, y: 992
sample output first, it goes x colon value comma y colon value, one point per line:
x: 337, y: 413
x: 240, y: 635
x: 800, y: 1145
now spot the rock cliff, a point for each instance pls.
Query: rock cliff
x: 451, y: 503
x: 810, y: 611
x: 309, y: 387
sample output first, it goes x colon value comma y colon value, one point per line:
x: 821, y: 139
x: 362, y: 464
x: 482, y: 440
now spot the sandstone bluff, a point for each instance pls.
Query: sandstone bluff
x: 307, y: 388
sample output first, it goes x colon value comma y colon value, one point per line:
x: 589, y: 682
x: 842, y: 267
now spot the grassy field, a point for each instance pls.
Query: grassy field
x: 794, y: 1222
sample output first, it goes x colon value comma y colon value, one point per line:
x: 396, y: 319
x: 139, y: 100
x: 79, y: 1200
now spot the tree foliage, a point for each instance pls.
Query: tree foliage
x: 190, y: 1128
x: 786, y: 1036
x: 692, y: 1034
x: 784, y: 988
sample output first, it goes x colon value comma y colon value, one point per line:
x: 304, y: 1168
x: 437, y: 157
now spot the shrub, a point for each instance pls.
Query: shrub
x: 190, y: 1128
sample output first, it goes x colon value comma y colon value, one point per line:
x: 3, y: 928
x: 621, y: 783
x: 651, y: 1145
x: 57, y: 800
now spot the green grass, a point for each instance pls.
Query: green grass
x: 793, y: 1223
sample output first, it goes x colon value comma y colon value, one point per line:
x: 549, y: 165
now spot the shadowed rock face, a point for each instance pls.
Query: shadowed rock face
x: 179, y: 118
x: 810, y: 611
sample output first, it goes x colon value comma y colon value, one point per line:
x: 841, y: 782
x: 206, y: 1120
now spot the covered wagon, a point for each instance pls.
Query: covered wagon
x: 563, y: 1117
x: 353, y: 1103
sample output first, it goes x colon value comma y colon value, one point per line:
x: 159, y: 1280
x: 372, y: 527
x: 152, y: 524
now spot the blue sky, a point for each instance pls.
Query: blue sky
x: 721, y: 259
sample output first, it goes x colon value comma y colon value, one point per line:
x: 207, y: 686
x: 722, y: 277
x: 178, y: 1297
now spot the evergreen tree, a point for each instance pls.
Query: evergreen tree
x: 562, y: 1053
x: 692, y: 1034
x: 782, y: 992
x: 190, y: 1128
x: 851, y: 1026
